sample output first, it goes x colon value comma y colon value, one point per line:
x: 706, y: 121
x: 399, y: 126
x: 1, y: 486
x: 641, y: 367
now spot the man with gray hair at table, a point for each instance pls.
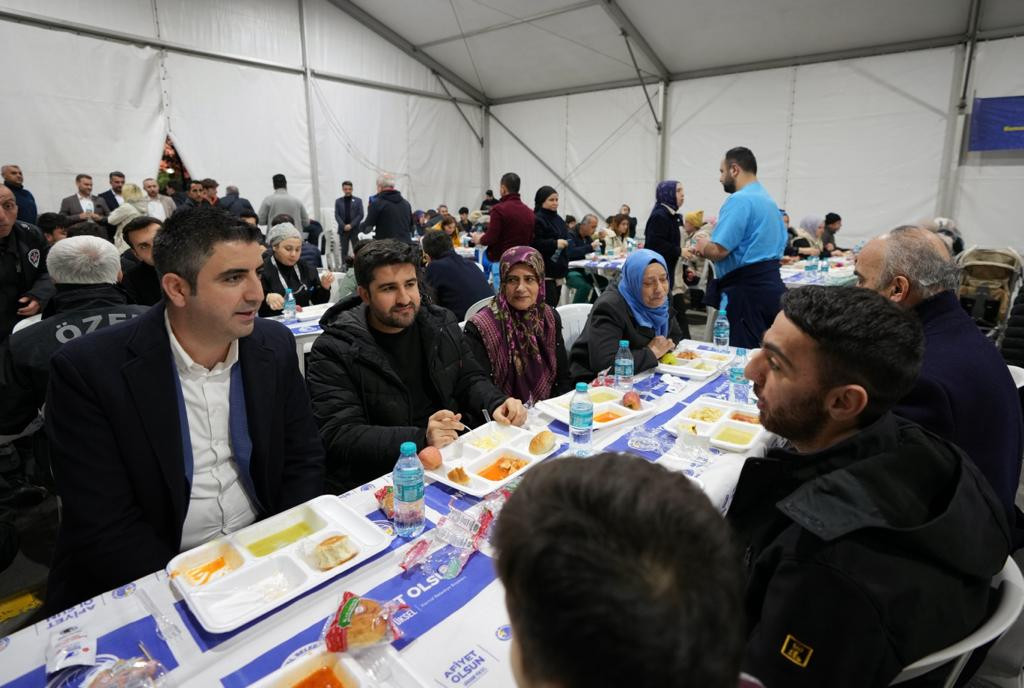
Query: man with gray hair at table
x: 964, y: 393
x: 389, y: 215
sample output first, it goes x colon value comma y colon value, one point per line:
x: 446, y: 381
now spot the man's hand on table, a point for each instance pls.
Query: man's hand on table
x: 443, y: 428
x: 511, y: 412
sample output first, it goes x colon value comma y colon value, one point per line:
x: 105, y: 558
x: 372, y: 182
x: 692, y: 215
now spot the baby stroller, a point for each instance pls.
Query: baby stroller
x: 989, y: 281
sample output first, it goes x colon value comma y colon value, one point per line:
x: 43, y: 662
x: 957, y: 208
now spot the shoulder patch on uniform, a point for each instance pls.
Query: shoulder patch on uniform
x: 797, y: 652
x: 33, y: 257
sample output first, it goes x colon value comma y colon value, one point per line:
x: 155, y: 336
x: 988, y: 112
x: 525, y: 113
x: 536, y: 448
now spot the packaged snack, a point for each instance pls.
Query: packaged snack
x: 361, y: 622
x: 386, y: 500
x: 68, y: 647
x: 137, y: 672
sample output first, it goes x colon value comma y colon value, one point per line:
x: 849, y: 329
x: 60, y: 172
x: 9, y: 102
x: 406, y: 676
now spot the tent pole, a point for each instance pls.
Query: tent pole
x: 548, y: 167
x: 485, y: 159
x: 946, y: 204
x: 310, y: 126
x: 663, y: 132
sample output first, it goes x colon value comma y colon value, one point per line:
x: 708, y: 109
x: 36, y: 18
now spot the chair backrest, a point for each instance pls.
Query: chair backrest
x: 1009, y: 585
x: 574, y: 319
x: 1017, y: 373
x: 477, y: 307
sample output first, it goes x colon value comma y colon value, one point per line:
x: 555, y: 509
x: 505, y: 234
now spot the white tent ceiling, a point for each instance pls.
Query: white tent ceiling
x: 518, y: 49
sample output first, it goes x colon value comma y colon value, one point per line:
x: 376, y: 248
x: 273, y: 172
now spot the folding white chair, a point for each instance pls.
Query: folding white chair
x: 1009, y: 585
x: 1017, y: 374
x: 574, y: 319
x: 477, y: 307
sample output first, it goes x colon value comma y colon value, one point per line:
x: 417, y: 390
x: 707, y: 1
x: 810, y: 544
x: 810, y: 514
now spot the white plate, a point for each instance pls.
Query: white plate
x: 725, y: 421
x: 312, y: 312
x: 344, y: 668
x: 713, y: 361
x: 255, y: 585
x: 558, y: 408
x: 473, y: 459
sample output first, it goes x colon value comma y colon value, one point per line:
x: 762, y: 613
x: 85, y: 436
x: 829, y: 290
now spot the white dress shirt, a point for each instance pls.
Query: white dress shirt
x: 156, y: 209
x: 87, y: 204
x: 219, y: 503
x: 119, y: 198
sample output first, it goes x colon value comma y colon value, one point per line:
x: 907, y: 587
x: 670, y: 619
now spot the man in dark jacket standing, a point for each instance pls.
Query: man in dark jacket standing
x: 179, y: 426
x: 25, y: 286
x: 457, y: 282
x: 389, y: 370
x: 14, y: 180
x: 348, y: 213
x: 233, y: 203
x: 964, y: 393
x: 390, y: 215
x: 511, y: 221
x: 871, y: 542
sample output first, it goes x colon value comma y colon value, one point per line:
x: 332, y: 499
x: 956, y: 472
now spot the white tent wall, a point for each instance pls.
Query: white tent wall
x: 249, y: 128
x: 60, y: 122
x: 603, y: 143
x: 124, y: 16
x: 989, y: 207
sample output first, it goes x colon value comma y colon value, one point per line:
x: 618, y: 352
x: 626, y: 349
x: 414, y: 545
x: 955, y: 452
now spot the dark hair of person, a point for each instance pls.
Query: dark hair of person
x: 510, y: 180
x: 448, y: 220
x: 346, y: 183
x: 116, y: 173
x: 463, y: 210
x: 381, y: 253
x: 189, y: 237
x: 195, y: 182
x: 135, y: 225
x: 832, y: 218
x: 87, y: 228
x: 351, y: 257
x: 248, y: 213
x: 614, y: 224
x: 279, y: 181
x: 570, y: 219
x: 743, y: 158
x: 281, y: 217
x: 862, y: 338
x: 80, y: 177
x: 209, y: 183
x: 48, y: 222
x: 170, y: 188
x: 436, y: 243
x: 619, y: 573
x: 489, y: 193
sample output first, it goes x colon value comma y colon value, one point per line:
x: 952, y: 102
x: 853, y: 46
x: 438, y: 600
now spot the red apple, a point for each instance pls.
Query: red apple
x: 631, y: 400
x: 430, y: 457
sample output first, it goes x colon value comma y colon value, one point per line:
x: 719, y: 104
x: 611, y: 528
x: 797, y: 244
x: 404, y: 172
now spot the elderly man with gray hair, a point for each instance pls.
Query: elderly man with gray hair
x: 85, y: 270
x: 964, y: 392
x: 390, y: 215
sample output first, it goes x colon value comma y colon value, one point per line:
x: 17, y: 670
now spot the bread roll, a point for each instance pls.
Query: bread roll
x: 543, y: 442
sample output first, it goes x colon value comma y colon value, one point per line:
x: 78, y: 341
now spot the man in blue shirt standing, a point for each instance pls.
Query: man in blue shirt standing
x: 745, y: 247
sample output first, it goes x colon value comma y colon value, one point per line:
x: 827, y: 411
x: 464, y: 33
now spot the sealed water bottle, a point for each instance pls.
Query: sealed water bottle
x: 811, y: 264
x: 408, y: 483
x: 581, y: 421
x: 824, y: 265
x: 496, y: 276
x: 624, y: 367
x: 289, y: 306
x: 739, y: 385
x: 720, y: 333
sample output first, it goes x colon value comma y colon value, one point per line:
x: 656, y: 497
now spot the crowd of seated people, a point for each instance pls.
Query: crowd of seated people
x: 175, y: 414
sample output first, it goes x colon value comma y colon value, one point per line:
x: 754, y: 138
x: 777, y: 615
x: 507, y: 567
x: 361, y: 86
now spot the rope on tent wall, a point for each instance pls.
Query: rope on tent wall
x: 162, y: 66
x: 789, y: 137
x: 465, y: 42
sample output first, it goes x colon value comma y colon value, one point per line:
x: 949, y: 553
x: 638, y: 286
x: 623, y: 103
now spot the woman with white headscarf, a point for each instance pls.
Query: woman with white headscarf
x: 283, y: 270
x: 808, y: 236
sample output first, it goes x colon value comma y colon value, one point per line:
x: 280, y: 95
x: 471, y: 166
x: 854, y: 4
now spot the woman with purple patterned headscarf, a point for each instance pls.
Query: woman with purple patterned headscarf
x: 662, y: 234
x: 518, y: 338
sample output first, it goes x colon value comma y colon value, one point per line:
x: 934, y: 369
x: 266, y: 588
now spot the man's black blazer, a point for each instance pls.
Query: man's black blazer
x: 116, y: 448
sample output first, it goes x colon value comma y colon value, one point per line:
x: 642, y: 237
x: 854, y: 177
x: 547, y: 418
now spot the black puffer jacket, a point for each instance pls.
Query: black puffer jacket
x: 363, y: 408
x: 1013, y: 341
x: 390, y: 215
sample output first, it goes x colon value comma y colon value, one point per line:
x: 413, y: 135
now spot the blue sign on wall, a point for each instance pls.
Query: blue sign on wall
x: 997, y: 124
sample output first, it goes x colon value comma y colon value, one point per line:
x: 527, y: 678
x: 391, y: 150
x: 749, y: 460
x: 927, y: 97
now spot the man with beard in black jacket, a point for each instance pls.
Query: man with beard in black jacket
x: 390, y: 215
x: 869, y: 542
x: 389, y: 370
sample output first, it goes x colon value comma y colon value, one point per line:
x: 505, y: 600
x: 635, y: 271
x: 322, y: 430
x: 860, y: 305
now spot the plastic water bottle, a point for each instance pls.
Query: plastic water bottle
x: 739, y: 385
x: 630, y: 245
x: 408, y: 483
x: 720, y: 333
x: 624, y: 367
x: 581, y: 421
x: 811, y: 265
x: 496, y: 276
x: 824, y: 265
x: 289, y: 306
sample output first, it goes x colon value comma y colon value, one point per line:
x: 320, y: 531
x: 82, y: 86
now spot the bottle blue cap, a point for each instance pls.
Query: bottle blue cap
x: 581, y: 386
x: 408, y: 448
x: 624, y: 342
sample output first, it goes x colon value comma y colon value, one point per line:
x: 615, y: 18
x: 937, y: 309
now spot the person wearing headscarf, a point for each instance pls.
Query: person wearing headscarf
x: 282, y: 270
x: 135, y: 205
x: 518, y: 337
x: 551, y: 239
x: 636, y: 310
x: 662, y: 234
x: 808, y: 236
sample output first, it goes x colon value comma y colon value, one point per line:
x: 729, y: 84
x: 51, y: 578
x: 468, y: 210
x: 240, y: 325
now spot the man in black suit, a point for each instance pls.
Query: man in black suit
x: 348, y: 212
x: 189, y: 422
x: 112, y: 196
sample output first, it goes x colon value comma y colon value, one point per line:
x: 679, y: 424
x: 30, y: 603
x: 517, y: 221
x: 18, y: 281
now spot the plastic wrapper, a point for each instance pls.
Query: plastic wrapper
x: 361, y: 622
x: 386, y: 501
x: 137, y: 672
x: 68, y: 647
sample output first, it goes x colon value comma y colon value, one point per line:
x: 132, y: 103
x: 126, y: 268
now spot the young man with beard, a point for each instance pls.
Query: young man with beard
x: 389, y: 370
x: 869, y: 542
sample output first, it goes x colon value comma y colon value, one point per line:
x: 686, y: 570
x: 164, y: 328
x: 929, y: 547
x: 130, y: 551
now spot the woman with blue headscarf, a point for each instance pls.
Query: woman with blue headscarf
x: 662, y: 233
x: 636, y: 310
